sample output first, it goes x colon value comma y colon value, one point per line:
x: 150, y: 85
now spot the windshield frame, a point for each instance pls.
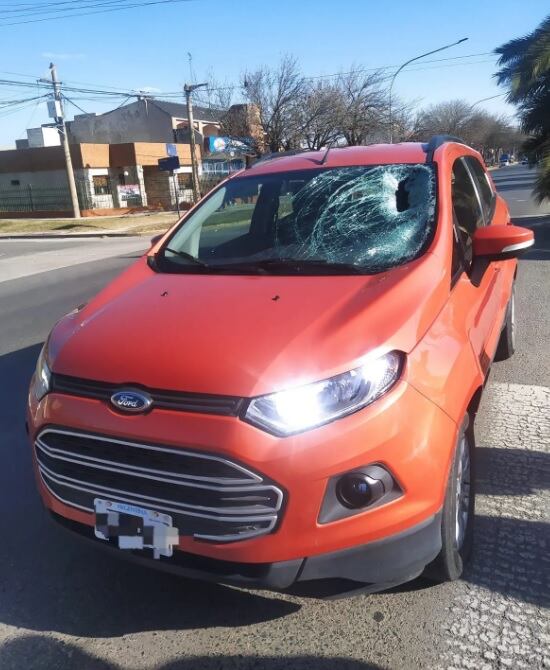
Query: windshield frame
x: 160, y: 263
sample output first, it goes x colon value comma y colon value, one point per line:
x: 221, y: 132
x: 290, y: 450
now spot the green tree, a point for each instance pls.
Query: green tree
x: 525, y: 70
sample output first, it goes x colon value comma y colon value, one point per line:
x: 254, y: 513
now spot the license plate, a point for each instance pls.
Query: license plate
x: 135, y: 527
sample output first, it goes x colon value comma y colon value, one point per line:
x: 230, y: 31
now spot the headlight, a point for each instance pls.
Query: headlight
x: 42, y: 375
x: 309, y: 406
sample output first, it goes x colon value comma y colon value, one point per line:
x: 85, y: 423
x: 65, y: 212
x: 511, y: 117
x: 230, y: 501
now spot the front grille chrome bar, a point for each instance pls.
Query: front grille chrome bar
x: 77, y: 467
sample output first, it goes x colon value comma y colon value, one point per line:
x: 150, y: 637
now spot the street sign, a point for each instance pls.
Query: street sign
x: 169, y: 164
x: 171, y: 150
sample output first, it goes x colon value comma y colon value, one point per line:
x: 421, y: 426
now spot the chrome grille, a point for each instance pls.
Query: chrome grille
x: 209, y: 497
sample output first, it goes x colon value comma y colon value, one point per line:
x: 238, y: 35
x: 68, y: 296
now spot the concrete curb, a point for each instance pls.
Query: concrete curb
x: 64, y: 236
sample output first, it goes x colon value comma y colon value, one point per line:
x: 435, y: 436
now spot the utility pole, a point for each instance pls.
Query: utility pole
x: 188, y: 89
x: 61, y: 127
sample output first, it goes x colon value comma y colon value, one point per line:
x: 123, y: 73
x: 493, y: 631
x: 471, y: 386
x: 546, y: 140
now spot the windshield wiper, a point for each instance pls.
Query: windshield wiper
x: 297, y: 266
x: 188, y: 257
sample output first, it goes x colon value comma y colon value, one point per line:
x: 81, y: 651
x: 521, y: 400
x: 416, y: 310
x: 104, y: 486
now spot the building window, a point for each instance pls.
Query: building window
x: 15, y: 182
x: 101, y: 185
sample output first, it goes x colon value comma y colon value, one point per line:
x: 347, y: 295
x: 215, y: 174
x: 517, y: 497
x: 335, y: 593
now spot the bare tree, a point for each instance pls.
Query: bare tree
x: 362, y: 105
x: 275, y: 93
x: 315, y: 117
x: 488, y: 133
x: 445, y: 118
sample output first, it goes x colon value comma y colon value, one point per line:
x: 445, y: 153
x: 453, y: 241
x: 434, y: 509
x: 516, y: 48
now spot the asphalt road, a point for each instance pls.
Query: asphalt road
x: 515, y: 183
x: 64, y: 606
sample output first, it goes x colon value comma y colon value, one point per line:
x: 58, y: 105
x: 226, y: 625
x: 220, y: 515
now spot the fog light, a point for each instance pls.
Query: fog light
x: 357, y: 489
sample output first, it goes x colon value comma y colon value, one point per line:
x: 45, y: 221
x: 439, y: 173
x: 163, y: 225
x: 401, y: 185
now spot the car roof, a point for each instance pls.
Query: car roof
x: 373, y: 154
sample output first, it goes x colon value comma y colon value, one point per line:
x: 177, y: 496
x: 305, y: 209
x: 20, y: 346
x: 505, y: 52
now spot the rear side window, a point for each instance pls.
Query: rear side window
x: 485, y: 190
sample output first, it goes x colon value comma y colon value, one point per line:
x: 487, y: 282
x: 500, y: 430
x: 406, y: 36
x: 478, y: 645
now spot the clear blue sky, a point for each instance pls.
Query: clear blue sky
x: 147, y: 48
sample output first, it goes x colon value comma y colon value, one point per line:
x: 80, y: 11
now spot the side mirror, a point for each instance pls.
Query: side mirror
x: 498, y: 243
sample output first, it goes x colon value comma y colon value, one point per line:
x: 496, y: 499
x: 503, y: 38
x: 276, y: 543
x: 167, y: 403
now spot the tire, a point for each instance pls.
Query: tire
x: 457, y: 526
x: 507, y: 343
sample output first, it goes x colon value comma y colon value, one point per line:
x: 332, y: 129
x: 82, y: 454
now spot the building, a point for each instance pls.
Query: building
x: 115, y: 159
x: 145, y: 120
x: 108, y: 177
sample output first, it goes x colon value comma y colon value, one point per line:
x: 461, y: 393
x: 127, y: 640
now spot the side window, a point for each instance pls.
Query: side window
x: 467, y: 210
x: 457, y: 263
x: 484, y: 187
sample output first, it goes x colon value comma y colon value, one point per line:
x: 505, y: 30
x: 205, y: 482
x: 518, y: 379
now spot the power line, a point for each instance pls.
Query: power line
x: 74, y: 104
x: 97, y: 11
x: 45, y: 9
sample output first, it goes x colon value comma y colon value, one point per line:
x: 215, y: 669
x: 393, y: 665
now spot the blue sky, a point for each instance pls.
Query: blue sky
x: 148, y: 47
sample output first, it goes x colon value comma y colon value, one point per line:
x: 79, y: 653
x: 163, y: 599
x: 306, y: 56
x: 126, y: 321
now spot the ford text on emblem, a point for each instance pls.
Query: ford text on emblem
x: 131, y: 401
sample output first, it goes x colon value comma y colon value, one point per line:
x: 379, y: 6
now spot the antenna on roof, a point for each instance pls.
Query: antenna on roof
x: 329, y: 147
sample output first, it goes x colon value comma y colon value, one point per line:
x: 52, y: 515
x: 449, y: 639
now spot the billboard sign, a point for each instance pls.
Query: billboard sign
x: 128, y: 192
x: 229, y: 145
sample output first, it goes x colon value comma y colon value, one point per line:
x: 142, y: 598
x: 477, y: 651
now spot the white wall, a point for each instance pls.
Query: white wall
x: 43, y: 137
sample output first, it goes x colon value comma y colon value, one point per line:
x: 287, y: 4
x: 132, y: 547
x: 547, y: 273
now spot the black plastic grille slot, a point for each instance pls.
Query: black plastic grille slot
x: 156, y: 459
x: 175, y: 400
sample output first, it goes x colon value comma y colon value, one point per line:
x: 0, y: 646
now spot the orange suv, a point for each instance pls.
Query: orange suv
x: 284, y: 387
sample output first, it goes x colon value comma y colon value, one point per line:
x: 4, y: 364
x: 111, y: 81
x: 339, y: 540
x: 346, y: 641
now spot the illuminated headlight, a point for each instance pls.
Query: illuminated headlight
x: 42, y: 376
x: 306, y: 407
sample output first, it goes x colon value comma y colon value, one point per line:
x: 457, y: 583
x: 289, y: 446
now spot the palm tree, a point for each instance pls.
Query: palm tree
x: 525, y: 70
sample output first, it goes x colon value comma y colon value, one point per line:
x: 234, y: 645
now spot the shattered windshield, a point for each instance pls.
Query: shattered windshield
x: 350, y: 219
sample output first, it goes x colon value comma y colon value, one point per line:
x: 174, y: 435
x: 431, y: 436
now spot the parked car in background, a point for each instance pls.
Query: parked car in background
x: 284, y: 387
x: 504, y: 160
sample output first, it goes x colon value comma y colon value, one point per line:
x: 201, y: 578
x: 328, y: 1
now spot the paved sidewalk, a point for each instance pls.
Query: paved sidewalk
x: 500, y: 617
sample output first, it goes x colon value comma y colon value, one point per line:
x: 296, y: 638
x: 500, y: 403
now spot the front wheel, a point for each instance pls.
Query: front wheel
x: 457, y: 519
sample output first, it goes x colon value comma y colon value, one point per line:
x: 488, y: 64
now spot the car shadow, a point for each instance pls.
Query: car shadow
x: 511, y: 539
x: 511, y: 472
x: 32, y: 652
x: 52, y: 581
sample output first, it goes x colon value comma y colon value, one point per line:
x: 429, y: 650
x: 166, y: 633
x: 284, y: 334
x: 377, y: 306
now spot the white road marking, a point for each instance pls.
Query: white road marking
x: 28, y: 264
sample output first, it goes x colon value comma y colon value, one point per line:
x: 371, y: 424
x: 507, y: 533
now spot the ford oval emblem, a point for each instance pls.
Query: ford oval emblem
x: 131, y: 401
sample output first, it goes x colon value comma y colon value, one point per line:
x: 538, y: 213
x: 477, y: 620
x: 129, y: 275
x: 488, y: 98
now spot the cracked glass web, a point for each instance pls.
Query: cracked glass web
x: 376, y: 217
x: 372, y: 217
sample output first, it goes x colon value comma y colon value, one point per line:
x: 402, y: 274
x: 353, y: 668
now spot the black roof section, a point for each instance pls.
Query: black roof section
x: 436, y: 141
x: 179, y: 110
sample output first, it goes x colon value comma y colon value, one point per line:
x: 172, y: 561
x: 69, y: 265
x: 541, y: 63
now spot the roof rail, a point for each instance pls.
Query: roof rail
x: 278, y: 154
x: 435, y: 142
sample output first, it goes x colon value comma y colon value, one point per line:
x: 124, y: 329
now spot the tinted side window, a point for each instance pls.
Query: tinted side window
x: 485, y: 190
x: 467, y: 211
x: 457, y: 262
x: 465, y: 202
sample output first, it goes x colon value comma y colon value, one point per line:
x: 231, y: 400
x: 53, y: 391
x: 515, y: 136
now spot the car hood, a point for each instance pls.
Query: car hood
x: 244, y: 335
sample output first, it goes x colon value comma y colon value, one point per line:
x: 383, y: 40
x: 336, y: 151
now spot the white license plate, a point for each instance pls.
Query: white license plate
x: 135, y: 527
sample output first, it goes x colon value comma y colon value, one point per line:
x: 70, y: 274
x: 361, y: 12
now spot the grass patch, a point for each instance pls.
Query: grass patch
x: 130, y: 223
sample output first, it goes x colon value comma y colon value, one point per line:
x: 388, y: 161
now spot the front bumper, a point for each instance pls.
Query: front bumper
x: 403, y: 431
x: 372, y: 567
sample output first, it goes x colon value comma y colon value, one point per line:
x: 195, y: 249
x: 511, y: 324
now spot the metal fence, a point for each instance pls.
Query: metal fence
x: 22, y: 199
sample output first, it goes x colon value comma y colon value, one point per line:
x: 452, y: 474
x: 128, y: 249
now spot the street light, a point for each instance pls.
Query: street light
x: 428, y: 53
x: 491, y: 97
